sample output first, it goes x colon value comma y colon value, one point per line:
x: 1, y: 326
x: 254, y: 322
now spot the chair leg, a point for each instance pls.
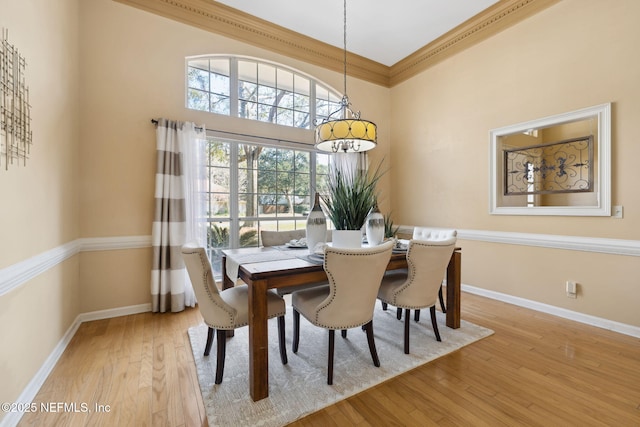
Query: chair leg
x: 344, y: 333
x: 281, y: 340
x: 296, y: 330
x: 434, y: 322
x: 332, y: 335
x: 399, y: 313
x: 207, y: 346
x: 416, y: 315
x: 407, y: 316
x: 221, y: 335
x: 442, y: 306
x: 384, y: 305
x: 372, y: 344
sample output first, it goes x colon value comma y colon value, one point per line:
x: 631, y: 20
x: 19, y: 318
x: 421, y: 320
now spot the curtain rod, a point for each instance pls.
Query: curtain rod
x: 155, y: 122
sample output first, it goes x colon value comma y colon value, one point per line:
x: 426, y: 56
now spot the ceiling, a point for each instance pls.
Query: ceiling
x: 375, y: 30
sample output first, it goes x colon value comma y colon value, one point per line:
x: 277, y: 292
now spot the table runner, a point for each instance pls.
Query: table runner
x: 235, y: 260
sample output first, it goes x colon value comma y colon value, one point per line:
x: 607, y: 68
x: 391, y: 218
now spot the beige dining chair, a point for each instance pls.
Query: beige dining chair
x: 427, y: 261
x: 228, y: 309
x: 431, y: 234
x: 279, y: 238
x: 348, y: 302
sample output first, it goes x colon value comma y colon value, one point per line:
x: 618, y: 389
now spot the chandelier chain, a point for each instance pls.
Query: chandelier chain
x: 345, y: 47
x: 349, y: 133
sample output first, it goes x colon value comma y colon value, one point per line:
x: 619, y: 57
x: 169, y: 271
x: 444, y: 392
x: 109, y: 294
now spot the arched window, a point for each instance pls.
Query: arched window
x: 257, y: 90
x: 256, y: 183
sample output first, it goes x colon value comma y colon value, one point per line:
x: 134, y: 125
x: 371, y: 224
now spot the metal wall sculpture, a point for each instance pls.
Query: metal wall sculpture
x: 15, y: 111
x: 559, y: 167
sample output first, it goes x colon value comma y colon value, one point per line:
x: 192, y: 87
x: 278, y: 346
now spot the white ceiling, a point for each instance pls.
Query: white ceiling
x: 381, y: 30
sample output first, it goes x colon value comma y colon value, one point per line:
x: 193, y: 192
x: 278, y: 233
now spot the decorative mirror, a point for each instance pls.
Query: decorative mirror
x: 557, y: 165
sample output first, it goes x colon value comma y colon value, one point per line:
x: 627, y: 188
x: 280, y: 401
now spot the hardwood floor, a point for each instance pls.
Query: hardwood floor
x: 536, y: 370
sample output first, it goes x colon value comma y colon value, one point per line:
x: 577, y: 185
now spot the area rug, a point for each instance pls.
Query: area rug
x: 300, y: 387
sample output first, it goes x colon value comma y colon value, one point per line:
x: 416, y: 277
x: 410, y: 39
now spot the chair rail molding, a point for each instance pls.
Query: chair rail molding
x: 574, y: 243
x: 89, y: 244
x: 15, y: 275
x: 554, y: 241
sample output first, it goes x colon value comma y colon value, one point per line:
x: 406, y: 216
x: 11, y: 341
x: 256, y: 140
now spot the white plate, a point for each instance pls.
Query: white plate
x: 317, y: 257
x: 295, y: 246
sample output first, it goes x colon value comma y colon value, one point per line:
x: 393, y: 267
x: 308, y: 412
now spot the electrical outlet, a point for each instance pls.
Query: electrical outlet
x: 572, y: 289
x: 617, y: 212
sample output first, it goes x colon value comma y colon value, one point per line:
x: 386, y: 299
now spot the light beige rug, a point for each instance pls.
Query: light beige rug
x: 300, y: 387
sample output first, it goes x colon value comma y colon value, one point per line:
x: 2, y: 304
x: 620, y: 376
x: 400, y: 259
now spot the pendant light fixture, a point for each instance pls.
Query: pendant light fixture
x: 346, y: 132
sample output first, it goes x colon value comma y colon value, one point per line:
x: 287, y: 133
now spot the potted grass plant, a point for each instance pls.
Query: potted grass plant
x: 390, y: 230
x: 350, y: 196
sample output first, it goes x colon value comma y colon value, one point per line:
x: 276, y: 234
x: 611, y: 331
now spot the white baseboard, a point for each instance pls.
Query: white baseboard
x: 28, y: 394
x: 22, y: 272
x: 610, y: 325
x: 11, y: 419
x: 114, y: 312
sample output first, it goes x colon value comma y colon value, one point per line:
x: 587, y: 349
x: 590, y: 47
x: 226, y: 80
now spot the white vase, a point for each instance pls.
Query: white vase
x: 316, y: 226
x: 346, y: 238
x: 375, y: 227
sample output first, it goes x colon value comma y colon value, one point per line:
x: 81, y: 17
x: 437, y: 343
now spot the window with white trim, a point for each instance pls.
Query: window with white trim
x: 257, y: 90
x: 252, y: 187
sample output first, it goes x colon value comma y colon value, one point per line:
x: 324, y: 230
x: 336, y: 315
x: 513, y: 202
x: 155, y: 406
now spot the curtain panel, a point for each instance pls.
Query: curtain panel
x: 177, y: 214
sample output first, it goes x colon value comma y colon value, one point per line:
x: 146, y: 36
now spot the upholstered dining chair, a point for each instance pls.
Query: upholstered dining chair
x: 426, y: 233
x: 427, y: 261
x: 278, y: 238
x: 348, y: 302
x: 228, y: 309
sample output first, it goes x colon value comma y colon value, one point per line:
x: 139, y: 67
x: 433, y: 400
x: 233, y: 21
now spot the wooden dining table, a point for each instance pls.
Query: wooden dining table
x: 266, y: 268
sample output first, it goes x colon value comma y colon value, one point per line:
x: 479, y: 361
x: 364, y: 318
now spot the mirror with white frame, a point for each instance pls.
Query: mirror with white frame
x: 557, y: 165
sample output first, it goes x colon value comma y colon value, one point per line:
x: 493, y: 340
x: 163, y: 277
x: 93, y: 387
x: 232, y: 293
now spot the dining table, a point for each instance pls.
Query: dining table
x: 264, y: 268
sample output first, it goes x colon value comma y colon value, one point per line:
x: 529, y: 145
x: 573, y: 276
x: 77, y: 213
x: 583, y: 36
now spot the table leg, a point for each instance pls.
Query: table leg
x: 226, y: 284
x: 258, y: 341
x: 453, y: 289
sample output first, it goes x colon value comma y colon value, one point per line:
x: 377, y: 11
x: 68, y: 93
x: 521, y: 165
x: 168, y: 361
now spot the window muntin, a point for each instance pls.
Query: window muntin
x: 253, y: 187
x: 265, y: 91
x: 208, y: 83
x: 326, y: 102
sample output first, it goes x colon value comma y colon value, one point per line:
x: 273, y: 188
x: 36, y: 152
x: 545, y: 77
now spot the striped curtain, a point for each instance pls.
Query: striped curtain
x: 173, y: 222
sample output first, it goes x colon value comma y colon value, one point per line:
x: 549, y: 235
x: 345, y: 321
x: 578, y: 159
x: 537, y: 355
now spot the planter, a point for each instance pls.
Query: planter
x: 347, y: 238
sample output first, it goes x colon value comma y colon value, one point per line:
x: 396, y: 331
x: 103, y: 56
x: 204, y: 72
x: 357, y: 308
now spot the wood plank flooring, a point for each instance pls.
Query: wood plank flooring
x: 536, y: 370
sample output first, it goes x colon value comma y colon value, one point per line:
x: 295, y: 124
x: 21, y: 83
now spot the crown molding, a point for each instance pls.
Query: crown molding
x: 487, y: 23
x: 218, y: 18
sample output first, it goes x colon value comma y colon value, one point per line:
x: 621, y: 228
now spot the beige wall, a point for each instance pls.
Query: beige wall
x: 133, y: 66
x: 546, y: 65
x: 91, y: 171
x: 39, y: 207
